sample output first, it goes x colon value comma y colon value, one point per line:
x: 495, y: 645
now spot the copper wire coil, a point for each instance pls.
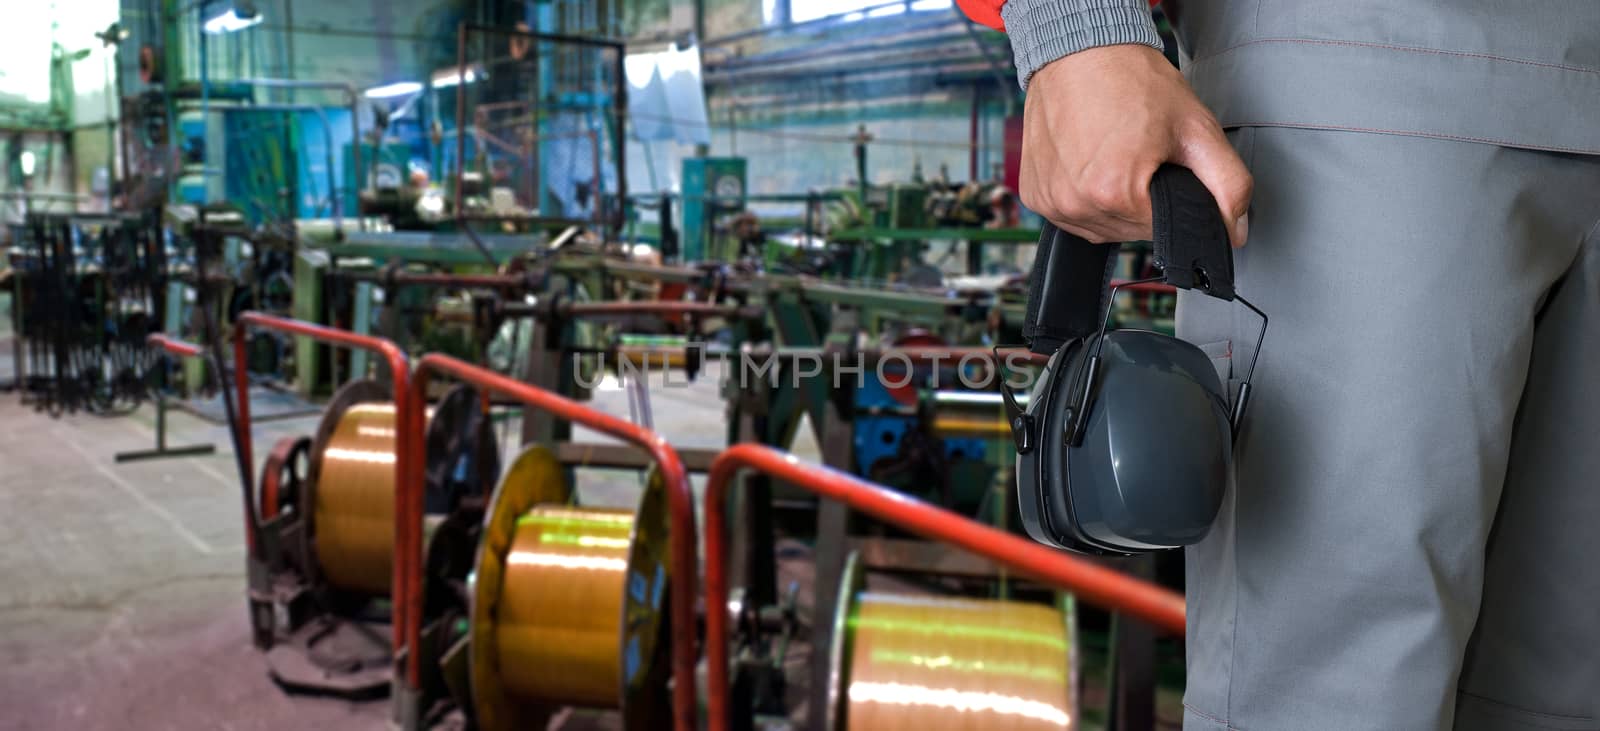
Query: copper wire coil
x: 353, y: 511
x: 557, y: 629
x: 353, y: 491
x: 568, y: 603
x: 969, y: 414
x: 641, y: 358
x: 956, y: 427
x: 914, y: 662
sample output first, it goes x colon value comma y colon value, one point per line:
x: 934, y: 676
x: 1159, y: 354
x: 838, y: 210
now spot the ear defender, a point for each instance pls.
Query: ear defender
x: 1126, y: 443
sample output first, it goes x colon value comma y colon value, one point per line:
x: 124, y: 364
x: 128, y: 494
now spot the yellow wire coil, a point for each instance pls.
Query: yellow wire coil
x: 562, y: 597
x: 353, y: 511
x: 964, y: 414
x: 569, y: 603
x: 956, y: 427
x: 641, y: 358
x: 920, y: 662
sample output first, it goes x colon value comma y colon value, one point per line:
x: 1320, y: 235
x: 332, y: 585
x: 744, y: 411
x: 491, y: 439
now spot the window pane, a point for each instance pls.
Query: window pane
x: 25, y: 54
x: 804, y: 10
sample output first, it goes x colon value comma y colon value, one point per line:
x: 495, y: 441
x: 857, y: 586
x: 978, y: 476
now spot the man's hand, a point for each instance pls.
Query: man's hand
x: 1097, y: 125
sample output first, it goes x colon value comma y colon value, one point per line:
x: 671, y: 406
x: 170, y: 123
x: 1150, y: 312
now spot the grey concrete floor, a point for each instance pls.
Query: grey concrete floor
x: 122, y: 585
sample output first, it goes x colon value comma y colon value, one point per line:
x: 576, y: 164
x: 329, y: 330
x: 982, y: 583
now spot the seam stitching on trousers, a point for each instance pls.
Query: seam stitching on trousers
x: 1526, y: 711
x: 1233, y: 629
x: 1210, y: 717
x: 1406, y: 49
x: 1418, y: 133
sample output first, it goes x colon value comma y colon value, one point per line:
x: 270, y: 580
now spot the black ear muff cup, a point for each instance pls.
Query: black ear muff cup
x: 1154, y: 457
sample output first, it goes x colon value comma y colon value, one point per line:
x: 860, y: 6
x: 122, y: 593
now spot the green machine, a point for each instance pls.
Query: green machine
x: 713, y: 188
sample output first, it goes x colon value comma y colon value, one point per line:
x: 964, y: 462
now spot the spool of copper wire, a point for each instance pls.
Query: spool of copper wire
x: 354, y: 512
x: 568, y: 603
x: 352, y: 490
x: 915, y: 662
x: 969, y: 414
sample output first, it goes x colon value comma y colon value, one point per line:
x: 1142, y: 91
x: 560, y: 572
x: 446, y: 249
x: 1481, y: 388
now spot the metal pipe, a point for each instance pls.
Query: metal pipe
x: 680, y: 504
x: 1161, y: 607
x: 461, y: 112
x: 404, y: 595
x: 648, y: 307
x: 495, y: 281
x: 182, y: 348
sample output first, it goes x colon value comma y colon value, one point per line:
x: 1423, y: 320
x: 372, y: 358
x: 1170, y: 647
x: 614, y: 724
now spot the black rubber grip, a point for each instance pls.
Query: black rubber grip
x: 1070, y: 281
x: 1190, y: 237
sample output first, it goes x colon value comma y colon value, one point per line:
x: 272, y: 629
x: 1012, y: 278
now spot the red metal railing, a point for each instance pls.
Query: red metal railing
x: 405, y: 594
x: 181, y: 348
x: 680, y: 502
x: 1094, y: 583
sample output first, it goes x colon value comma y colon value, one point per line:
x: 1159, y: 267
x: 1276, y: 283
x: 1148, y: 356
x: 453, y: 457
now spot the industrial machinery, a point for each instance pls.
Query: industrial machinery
x: 327, y: 536
x: 714, y: 190
x: 509, y: 605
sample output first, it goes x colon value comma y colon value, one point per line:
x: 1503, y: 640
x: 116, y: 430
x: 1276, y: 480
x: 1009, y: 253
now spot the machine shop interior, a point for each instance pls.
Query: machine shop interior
x: 522, y: 364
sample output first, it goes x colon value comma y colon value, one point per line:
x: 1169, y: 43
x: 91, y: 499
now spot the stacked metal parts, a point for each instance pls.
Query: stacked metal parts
x: 917, y: 662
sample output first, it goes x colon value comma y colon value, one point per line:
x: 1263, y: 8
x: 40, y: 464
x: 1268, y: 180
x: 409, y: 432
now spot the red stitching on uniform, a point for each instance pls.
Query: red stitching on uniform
x: 1416, y: 133
x: 1409, y: 49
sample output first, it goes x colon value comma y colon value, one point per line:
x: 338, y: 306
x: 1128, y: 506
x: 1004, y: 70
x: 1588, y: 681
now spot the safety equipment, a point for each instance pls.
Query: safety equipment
x: 1126, y: 445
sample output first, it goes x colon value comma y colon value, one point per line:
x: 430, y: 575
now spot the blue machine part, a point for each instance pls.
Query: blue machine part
x: 969, y: 448
x: 879, y: 436
x: 276, y: 162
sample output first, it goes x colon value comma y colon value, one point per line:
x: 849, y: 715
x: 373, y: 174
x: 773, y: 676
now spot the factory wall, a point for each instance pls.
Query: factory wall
x: 788, y: 100
x: 791, y: 100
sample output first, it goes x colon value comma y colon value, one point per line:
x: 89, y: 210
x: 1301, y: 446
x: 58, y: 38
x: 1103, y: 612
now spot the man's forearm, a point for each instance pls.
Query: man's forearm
x: 1044, y: 30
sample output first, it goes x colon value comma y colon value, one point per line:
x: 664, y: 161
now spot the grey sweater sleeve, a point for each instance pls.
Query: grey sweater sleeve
x: 1044, y: 30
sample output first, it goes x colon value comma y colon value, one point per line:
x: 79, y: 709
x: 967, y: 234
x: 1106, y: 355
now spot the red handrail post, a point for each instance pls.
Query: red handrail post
x: 680, y: 504
x: 174, y: 346
x: 1097, y: 584
x: 406, y: 554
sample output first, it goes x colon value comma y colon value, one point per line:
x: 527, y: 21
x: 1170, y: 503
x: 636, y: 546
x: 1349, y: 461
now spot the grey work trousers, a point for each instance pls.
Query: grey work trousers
x: 1413, y: 537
